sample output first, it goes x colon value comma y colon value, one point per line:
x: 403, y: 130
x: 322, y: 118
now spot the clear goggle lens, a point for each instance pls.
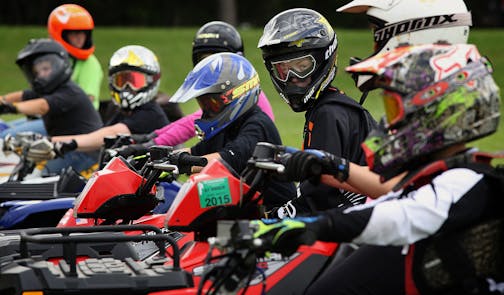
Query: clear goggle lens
x: 300, y: 67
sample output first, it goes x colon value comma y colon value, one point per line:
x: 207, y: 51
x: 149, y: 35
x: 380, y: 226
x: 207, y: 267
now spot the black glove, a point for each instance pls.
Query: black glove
x: 285, y: 236
x: 333, y: 165
x: 310, y: 164
x: 141, y: 138
x: 301, y: 166
x: 132, y: 150
x: 8, y: 108
x: 63, y: 147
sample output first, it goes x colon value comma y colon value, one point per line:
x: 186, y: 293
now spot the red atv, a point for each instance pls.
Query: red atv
x: 119, y: 195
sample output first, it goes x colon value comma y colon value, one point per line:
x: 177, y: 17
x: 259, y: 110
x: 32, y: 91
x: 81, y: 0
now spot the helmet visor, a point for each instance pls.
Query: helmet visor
x: 211, y: 104
x: 300, y: 67
x: 201, y: 55
x: 44, y: 69
x: 136, y: 80
x: 394, y: 108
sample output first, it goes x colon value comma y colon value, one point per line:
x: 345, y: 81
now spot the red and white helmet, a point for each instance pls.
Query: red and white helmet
x: 413, y: 22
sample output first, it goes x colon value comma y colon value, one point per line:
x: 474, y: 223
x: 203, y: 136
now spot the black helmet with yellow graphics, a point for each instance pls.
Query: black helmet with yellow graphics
x: 299, y: 49
x: 213, y: 37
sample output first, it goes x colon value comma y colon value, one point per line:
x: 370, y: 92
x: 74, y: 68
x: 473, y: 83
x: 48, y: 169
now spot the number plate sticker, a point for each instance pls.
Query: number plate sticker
x: 214, y: 192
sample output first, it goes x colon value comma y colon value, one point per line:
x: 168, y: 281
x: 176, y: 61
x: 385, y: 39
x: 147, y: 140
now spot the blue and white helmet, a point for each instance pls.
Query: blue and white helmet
x: 226, y: 86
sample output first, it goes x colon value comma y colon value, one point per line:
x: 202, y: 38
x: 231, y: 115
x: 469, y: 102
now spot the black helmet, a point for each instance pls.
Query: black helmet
x: 216, y: 36
x: 299, y: 43
x: 45, y: 64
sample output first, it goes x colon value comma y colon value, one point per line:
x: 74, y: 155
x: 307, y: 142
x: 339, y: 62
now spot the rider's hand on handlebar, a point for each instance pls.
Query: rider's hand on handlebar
x: 141, y: 138
x: 63, y: 147
x: 8, y: 108
x: 132, y: 150
x: 285, y: 236
x: 312, y: 163
x: 41, y: 150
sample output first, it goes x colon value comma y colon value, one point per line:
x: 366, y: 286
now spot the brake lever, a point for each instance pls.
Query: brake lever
x: 165, y: 166
x: 279, y: 168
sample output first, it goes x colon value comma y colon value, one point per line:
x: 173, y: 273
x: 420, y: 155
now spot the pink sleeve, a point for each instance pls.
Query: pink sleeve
x: 179, y: 131
x: 265, y: 105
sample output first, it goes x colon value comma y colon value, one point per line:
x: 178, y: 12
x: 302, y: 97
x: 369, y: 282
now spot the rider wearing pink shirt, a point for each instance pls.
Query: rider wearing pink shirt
x: 213, y: 37
x: 183, y: 129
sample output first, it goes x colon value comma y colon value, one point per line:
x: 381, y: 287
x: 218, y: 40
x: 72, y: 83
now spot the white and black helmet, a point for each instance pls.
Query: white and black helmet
x: 413, y: 22
x: 134, y: 76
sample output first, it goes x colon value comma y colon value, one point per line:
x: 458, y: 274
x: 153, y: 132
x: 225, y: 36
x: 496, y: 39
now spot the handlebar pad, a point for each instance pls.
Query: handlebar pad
x: 190, y: 160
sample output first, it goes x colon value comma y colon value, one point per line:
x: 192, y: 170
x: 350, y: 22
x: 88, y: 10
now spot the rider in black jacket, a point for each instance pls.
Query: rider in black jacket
x: 226, y: 87
x: 299, y: 49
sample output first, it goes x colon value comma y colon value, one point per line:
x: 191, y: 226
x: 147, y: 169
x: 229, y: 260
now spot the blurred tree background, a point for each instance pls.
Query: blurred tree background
x: 165, y: 13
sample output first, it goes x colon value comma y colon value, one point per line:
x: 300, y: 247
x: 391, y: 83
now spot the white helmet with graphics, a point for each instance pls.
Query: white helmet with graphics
x: 134, y: 76
x: 413, y: 22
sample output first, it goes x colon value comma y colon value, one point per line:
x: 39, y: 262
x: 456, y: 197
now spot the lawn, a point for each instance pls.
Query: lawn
x: 173, y: 47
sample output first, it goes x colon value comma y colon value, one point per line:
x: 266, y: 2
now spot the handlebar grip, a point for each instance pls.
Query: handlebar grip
x: 190, y: 160
x: 291, y: 150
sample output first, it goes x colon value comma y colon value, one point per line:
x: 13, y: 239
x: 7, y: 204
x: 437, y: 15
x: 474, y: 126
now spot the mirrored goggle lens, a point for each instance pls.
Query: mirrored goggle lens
x: 394, y: 109
x: 211, y: 105
x: 135, y: 80
x: 301, y: 67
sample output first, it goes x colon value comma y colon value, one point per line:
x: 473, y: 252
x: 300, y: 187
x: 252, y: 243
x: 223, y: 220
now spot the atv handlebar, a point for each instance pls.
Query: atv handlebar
x: 185, y: 158
x: 169, y: 158
x: 237, y: 266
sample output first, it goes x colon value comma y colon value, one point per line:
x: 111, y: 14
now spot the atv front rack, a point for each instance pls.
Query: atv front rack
x: 85, y: 275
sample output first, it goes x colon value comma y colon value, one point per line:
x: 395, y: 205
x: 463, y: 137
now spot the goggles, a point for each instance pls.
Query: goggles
x: 394, y: 102
x: 136, y: 80
x: 211, y: 104
x: 394, y: 107
x: 300, y: 67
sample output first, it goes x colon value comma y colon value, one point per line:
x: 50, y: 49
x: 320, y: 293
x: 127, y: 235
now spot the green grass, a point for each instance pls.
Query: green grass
x: 173, y: 47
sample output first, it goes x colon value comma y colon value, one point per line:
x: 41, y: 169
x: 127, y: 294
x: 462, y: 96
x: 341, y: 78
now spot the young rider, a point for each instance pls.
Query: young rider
x: 63, y: 106
x: 446, y: 188
x: 227, y: 87
x: 70, y: 25
x: 299, y: 49
x: 134, y: 78
x: 212, y: 37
